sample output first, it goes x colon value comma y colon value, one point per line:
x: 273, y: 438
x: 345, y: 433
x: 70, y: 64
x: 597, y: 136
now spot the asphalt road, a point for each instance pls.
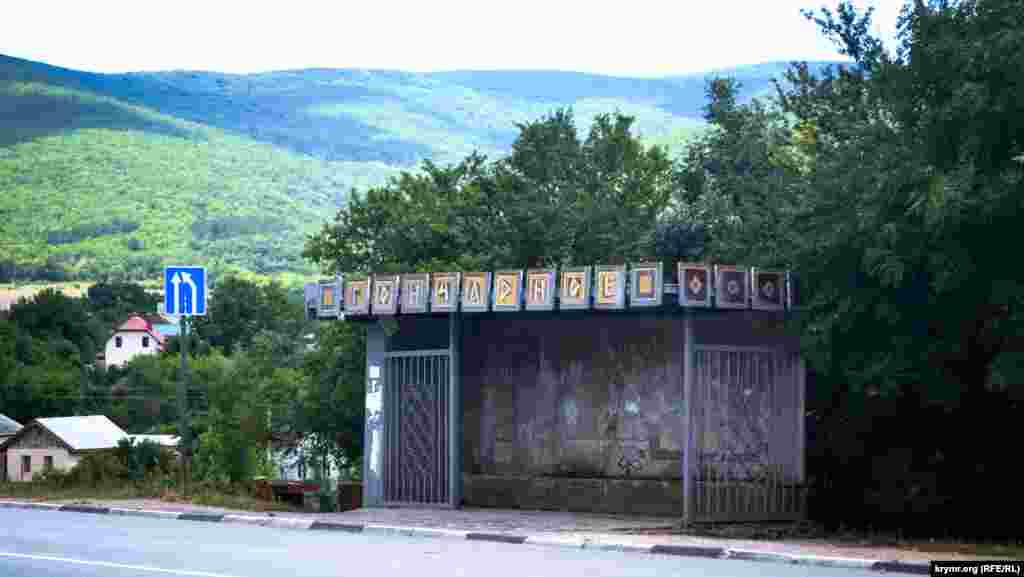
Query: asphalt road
x: 60, y: 544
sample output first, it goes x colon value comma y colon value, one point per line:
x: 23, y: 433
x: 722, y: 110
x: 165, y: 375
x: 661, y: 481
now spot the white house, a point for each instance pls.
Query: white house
x: 57, y: 442
x: 135, y: 337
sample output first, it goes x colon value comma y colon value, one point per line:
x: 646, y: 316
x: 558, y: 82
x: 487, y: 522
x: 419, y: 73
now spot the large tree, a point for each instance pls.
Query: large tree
x: 556, y: 199
x: 891, y: 184
x: 241, y: 308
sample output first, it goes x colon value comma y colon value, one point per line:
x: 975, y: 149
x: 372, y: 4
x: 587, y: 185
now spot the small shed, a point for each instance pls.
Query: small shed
x: 57, y: 442
x: 614, y: 389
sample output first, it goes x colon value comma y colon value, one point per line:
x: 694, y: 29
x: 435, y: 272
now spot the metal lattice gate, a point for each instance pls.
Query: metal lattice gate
x: 416, y: 428
x: 747, y: 415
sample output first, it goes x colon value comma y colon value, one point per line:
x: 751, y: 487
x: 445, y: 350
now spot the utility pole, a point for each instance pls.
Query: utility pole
x: 184, y: 429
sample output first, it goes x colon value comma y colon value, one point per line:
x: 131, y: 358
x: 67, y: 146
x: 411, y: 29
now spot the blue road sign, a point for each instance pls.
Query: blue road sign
x: 185, y: 290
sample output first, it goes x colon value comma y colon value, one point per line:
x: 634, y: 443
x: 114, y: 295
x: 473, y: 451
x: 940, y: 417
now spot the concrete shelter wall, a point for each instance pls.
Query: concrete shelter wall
x: 586, y: 412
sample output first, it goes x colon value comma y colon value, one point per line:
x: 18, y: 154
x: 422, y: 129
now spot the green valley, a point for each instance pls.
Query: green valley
x: 116, y: 175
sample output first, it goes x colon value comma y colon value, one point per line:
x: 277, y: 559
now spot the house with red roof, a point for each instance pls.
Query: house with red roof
x: 136, y: 336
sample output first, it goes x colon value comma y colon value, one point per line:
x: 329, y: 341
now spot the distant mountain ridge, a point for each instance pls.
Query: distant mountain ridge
x: 128, y: 171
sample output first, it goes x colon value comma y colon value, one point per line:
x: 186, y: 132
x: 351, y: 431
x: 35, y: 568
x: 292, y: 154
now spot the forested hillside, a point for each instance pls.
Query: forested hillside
x: 118, y: 174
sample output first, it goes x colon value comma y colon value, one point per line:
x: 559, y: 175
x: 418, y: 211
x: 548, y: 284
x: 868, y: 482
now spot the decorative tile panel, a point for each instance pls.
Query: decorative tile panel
x: 415, y: 293
x: 445, y: 294
x: 385, y: 294
x: 476, y: 291
x: 574, y: 288
x: 731, y: 287
x: 695, y: 282
x: 646, y: 286
x: 357, y: 296
x: 609, y: 287
x: 540, y: 289
x: 768, y: 288
x: 329, y: 298
x: 508, y: 290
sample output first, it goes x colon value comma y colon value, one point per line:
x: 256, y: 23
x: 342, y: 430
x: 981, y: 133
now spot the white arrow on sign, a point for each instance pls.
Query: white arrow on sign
x: 175, y: 280
x: 187, y: 279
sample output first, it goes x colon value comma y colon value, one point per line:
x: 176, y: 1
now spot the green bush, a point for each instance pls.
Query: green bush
x: 227, y: 457
x: 54, y: 478
x: 144, y: 460
x: 95, y: 469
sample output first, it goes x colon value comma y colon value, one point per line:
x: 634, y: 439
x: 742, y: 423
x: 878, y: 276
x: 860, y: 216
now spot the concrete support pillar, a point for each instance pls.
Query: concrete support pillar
x: 801, y: 423
x: 689, y: 459
x: 455, y: 417
x: 373, y: 435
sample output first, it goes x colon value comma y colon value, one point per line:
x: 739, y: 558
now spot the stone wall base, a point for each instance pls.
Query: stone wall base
x: 662, y: 498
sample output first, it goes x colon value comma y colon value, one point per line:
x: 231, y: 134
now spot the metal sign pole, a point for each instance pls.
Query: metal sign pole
x: 184, y: 440
x: 184, y: 296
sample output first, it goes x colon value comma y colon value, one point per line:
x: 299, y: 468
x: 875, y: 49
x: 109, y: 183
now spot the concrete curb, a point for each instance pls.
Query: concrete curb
x: 497, y: 538
x: 246, y: 520
x: 902, y: 567
x: 837, y: 562
x: 206, y: 517
x: 328, y: 526
x: 690, y: 551
x: 913, y: 568
x: 85, y: 509
x: 556, y: 541
x: 285, y: 523
x: 37, y: 506
x: 148, y: 514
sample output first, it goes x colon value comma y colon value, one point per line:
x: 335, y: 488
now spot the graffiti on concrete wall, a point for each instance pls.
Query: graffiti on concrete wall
x: 374, y: 420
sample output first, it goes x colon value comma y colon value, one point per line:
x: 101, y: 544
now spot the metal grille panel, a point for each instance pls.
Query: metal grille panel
x: 748, y: 452
x: 416, y: 428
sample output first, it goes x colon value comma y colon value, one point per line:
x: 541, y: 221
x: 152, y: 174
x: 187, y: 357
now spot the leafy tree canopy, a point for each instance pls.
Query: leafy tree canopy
x: 893, y: 186
x: 556, y: 199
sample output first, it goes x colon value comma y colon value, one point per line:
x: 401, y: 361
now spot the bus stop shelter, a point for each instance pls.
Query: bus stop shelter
x: 646, y: 388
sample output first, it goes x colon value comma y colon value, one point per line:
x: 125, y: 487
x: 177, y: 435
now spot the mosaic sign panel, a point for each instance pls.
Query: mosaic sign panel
x: 385, y: 294
x: 646, y: 286
x: 768, y: 288
x: 574, y: 288
x: 540, y: 289
x: 415, y: 292
x: 508, y: 290
x: 357, y: 297
x: 329, y: 298
x: 476, y: 291
x: 694, y: 284
x: 731, y: 284
x: 609, y: 287
x: 445, y: 294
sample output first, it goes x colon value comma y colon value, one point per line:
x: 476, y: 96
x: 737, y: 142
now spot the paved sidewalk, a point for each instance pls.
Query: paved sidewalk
x: 579, y: 530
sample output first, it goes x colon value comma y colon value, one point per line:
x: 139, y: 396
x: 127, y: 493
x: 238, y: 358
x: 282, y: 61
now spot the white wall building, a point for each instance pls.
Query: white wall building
x: 57, y: 442
x: 133, y: 338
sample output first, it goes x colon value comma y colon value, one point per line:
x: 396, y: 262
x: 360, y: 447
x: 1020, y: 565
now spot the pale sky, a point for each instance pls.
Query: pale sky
x: 631, y: 38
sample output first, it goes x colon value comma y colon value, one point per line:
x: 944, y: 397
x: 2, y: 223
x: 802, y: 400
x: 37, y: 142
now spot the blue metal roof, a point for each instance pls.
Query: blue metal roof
x: 167, y: 330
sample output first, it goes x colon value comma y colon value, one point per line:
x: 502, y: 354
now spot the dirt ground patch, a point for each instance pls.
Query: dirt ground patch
x: 9, y: 294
